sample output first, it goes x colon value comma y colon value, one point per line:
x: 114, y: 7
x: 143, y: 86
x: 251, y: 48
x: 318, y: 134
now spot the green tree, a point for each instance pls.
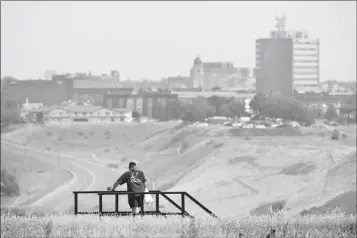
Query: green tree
x: 199, y: 110
x: 9, y: 185
x: 236, y: 108
x: 202, y: 103
x: 225, y: 111
x: 135, y: 114
x: 175, y: 109
x: 217, y: 102
x: 258, y: 103
x: 331, y: 113
x: 351, y: 101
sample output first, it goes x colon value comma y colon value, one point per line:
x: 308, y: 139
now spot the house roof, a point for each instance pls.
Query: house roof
x: 96, y: 84
x: 120, y: 109
x: 87, y: 108
x: 66, y: 103
x: 217, y: 93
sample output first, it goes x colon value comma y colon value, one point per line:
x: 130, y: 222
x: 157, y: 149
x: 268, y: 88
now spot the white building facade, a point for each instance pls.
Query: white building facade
x: 306, y: 57
x: 306, y: 63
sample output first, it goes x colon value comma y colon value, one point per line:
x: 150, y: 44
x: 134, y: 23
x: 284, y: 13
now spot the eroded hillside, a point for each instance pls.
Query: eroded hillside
x: 239, y: 171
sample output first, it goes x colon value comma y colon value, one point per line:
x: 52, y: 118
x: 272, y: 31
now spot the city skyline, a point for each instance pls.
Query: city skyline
x: 157, y: 40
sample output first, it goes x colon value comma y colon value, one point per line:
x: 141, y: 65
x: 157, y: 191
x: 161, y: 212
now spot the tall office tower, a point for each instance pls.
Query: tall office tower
x: 288, y: 61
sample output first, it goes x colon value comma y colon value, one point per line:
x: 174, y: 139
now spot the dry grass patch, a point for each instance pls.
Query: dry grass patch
x: 331, y: 225
x: 299, y: 168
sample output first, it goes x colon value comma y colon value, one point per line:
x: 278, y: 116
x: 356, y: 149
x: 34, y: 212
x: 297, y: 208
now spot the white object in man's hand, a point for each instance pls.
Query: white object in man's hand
x: 147, y: 197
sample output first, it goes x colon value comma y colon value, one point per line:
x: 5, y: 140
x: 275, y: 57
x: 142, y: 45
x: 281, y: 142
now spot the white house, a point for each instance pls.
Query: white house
x: 79, y: 111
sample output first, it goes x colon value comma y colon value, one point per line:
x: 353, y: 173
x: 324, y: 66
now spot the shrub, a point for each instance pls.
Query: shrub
x: 335, y: 134
x: 111, y: 165
x: 9, y: 185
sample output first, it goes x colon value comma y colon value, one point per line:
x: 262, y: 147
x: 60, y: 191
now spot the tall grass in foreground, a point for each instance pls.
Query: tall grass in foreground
x: 330, y: 225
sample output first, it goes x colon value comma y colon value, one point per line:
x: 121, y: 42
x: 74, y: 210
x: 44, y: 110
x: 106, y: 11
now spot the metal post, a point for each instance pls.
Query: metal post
x: 100, y: 204
x: 75, y: 203
x: 183, y: 204
x: 142, y: 203
x: 116, y: 203
x: 157, y: 203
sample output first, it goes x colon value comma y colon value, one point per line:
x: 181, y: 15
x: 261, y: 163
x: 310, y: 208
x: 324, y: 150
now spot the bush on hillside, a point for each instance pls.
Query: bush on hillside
x: 111, y: 165
x: 331, y: 113
x: 335, y: 134
x: 9, y: 186
x: 10, y: 117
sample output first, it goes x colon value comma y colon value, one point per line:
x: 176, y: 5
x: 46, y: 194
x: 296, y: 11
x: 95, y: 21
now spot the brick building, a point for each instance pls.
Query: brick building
x: 37, y: 91
x: 93, y: 90
x: 147, y: 104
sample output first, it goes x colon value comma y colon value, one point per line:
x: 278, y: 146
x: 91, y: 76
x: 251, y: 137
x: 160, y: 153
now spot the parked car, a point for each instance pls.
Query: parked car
x: 228, y: 123
x: 248, y: 126
x: 237, y: 125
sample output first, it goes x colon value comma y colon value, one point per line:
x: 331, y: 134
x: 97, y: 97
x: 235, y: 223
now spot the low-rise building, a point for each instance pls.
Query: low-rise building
x: 147, y: 104
x: 188, y: 96
x: 79, y: 111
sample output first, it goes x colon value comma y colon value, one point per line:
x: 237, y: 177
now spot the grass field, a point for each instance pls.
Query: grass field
x: 285, y: 225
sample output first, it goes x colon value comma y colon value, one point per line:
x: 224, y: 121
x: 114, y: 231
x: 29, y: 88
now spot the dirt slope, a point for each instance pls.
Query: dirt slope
x: 228, y: 171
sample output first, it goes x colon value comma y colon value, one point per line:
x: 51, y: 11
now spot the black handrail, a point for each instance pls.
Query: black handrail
x: 201, y: 206
x: 182, y: 208
x: 100, y: 194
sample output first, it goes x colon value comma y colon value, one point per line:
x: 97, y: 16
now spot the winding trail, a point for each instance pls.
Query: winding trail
x: 86, y: 175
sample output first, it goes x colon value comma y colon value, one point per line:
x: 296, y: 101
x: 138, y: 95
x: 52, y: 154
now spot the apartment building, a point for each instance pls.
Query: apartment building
x: 288, y: 61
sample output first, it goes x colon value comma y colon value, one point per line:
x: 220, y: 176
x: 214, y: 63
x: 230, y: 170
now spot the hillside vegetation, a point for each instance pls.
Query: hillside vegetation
x: 229, y: 171
x: 282, y: 225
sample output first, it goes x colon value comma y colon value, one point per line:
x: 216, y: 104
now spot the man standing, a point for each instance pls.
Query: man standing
x: 135, y: 181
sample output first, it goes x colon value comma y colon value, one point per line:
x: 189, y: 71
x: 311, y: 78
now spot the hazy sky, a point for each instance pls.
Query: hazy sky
x: 160, y: 39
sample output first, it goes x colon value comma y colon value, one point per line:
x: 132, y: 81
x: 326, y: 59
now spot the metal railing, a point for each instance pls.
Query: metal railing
x: 157, y: 211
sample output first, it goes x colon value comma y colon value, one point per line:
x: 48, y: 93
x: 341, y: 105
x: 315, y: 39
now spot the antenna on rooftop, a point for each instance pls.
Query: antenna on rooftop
x: 281, y: 25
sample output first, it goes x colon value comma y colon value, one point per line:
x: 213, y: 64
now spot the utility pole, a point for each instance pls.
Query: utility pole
x: 28, y: 170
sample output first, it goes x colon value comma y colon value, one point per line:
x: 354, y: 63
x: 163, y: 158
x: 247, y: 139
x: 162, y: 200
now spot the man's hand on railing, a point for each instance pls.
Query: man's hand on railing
x: 110, y: 189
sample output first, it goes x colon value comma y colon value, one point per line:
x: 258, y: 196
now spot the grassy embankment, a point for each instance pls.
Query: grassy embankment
x: 282, y: 225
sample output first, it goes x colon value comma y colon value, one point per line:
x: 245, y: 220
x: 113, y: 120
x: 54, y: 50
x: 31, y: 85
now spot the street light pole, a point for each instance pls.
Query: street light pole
x: 28, y: 170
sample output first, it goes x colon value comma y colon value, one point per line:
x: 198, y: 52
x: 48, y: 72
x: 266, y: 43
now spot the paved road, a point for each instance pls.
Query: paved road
x: 86, y: 175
